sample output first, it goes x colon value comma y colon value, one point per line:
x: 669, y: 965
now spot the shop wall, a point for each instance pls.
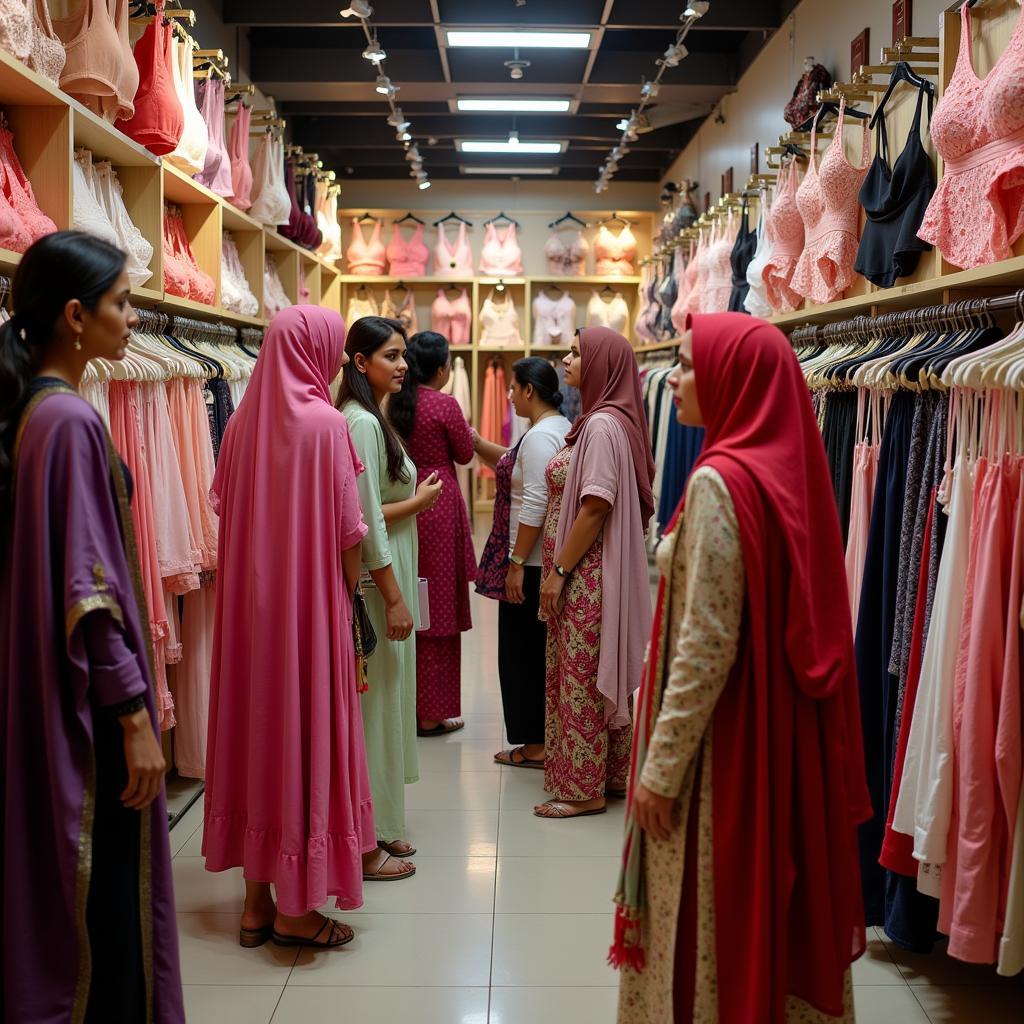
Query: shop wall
x: 822, y: 29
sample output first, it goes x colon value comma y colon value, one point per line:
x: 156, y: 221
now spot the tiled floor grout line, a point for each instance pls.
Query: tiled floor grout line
x: 494, y: 898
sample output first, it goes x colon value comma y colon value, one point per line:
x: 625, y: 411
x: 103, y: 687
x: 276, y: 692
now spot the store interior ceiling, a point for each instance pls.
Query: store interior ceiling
x: 310, y: 59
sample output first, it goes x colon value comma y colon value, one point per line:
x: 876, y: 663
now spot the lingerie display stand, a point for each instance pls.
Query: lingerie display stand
x: 49, y: 125
x: 522, y: 289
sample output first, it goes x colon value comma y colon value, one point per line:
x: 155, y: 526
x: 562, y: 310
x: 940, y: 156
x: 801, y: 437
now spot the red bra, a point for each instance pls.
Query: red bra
x: 159, y: 119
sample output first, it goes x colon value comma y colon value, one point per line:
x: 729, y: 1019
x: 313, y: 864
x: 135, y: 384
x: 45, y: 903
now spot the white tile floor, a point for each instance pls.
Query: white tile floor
x: 507, y: 920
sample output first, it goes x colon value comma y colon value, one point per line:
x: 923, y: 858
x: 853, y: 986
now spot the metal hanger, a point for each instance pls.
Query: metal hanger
x: 502, y: 215
x: 570, y: 216
x: 453, y: 216
x: 411, y: 216
x: 902, y: 73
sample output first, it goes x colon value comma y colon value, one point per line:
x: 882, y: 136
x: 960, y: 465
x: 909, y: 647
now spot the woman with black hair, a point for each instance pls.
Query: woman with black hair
x: 391, y: 501
x: 437, y: 436
x: 510, y: 567
x: 85, y: 870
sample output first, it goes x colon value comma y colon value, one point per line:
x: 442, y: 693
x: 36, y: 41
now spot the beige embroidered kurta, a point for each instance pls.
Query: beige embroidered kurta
x: 702, y: 562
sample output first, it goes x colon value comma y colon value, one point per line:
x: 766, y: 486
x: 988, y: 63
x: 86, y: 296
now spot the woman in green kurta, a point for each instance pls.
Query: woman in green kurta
x: 390, y: 501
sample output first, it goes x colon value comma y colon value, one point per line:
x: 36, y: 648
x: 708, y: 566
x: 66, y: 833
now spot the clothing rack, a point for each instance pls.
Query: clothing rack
x: 961, y: 313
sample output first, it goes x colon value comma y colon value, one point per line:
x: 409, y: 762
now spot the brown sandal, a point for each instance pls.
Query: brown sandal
x: 390, y: 848
x: 315, y: 943
x: 508, y: 759
x: 376, y: 876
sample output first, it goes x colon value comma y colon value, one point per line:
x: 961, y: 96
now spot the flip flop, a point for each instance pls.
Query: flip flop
x: 442, y: 728
x: 314, y: 943
x: 564, y: 811
x: 507, y: 758
x: 376, y: 876
x: 386, y: 847
x: 253, y: 938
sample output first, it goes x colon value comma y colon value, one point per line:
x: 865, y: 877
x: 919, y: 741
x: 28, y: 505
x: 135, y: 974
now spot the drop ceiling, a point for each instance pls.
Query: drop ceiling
x: 310, y: 59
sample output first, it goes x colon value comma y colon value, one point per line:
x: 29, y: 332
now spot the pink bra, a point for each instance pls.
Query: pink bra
x: 241, y: 171
x: 365, y: 258
x: 829, y: 203
x: 614, y: 253
x: 407, y: 258
x: 452, y: 319
x: 718, y: 286
x: 977, y: 211
x: 787, y: 229
x: 501, y: 256
x: 449, y: 262
x: 566, y: 258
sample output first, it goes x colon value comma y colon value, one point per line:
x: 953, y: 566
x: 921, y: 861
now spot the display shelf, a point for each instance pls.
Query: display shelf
x: 143, y: 296
x: 188, y: 307
x: 42, y: 140
x: 409, y: 281
x: 19, y: 84
x: 517, y: 349
x: 567, y: 280
x: 105, y: 142
x: 9, y: 259
x: 1003, y: 273
x: 185, y: 191
x: 235, y: 220
x: 657, y: 346
x: 309, y: 268
x: 142, y: 191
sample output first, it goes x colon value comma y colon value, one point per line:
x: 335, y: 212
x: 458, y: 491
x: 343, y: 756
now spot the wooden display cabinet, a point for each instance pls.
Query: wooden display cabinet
x: 309, y: 267
x: 249, y: 239
x: 201, y: 212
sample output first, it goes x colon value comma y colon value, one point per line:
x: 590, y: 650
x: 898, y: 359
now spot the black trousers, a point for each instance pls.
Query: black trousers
x: 522, y: 638
x: 117, y: 993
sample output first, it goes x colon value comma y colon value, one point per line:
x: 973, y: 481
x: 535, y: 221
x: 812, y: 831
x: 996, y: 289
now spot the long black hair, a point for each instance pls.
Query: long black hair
x: 541, y: 374
x: 55, y: 270
x: 365, y: 336
x: 425, y: 353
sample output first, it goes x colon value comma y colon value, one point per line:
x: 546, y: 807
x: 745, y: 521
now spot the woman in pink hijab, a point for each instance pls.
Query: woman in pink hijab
x: 596, y: 597
x: 287, y: 789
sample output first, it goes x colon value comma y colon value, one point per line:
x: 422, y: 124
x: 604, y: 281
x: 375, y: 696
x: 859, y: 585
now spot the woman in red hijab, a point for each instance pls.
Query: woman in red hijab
x: 739, y: 899
x: 596, y: 597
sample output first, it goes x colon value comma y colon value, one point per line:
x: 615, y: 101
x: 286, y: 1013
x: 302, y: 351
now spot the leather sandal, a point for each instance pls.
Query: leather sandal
x: 389, y: 848
x: 253, y: 938
x: 376, y: 876
x: 315, y: 942
x: 508, y: 758
x: 442, y: 728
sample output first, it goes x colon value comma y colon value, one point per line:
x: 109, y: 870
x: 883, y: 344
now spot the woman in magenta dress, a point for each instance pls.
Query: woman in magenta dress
x: 437, y: 436
x: 287, y: 788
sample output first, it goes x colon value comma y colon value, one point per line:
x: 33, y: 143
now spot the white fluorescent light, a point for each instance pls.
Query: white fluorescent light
x: 506, y: 171
x: 514, y: 105
x: 510, y: 40
x: 486, y: 146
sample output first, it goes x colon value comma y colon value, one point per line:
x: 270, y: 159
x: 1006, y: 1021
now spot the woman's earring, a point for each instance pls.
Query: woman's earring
x: 78, y: 344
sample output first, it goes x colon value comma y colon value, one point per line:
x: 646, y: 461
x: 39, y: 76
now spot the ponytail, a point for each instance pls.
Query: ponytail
x: 425, y: 352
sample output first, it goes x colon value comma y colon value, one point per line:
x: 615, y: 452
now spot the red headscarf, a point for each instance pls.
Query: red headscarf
x: 787, y: 761
x: 610, y: 382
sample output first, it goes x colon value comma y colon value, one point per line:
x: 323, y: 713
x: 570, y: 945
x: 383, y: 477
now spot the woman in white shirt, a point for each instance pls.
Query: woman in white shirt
x: 510, y: 568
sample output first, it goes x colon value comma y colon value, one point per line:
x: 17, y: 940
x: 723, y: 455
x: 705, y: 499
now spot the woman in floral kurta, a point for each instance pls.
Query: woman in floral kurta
x: 739, y: 900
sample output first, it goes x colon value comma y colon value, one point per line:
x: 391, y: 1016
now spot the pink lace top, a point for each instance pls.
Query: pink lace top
x: 977, y: 211
x: 829, y: 203
x: 787, y: 230
x: 714, y: 296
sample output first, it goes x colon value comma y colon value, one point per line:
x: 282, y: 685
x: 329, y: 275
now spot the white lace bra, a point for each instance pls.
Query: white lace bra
x: 190, y: 154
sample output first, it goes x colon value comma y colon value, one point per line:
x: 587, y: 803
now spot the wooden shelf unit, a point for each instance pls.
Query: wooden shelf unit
x: 49, y: 125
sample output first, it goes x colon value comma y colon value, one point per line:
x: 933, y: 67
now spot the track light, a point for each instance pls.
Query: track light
x: 425, y: 183
x: 649, y: 90
x: 374, y: 52
x: 412, y: 153
x: 397, y: 118
x: 696, y: 9
x: 357, y: 9
x: 403, y: 136
x: 386, y: 87
x: 674, y: 55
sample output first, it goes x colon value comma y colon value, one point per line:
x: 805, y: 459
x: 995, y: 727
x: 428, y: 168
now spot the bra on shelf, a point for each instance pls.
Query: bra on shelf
x: 742, y: 254
x: 499, y: 322
x: 87, y: 214
x: 99, y: 68
x: 270, y: 202
x: 15, y: 28
x: 977, y: 211
x: 613, y: 315
x: 360, y: 306
x: 159, y: 118
x: 566, y: 258
x: 238, y: 150
x: 717, y: 287
x: 33, y: 224
x: 501, y: 257
x: 787, y: 231
x: 216, y: 172
x: 111, y: 196
x: 407, y: 258
x: 614, y: 254
x: 235, y: 293
x: 275, y: 298
x: 365, y: 258
x: 554, y: 320
x: 404, y: 312
x: 46, y: 54
x: 756, y: 303
x: 190, y: 154
x: 894, y: 199
x: 828, y: 203
x: 453, y: 262
x: 452, y: 318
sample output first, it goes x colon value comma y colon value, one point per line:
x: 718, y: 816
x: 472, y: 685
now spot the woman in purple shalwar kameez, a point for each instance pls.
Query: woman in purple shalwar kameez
x: 88, y: 931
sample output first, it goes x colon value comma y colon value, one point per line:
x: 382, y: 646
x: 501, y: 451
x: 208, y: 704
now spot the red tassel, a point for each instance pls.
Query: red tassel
x: 627, y: 948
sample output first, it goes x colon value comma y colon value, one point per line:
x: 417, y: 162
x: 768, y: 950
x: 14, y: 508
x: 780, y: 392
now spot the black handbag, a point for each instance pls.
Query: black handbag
x: 364, y: 637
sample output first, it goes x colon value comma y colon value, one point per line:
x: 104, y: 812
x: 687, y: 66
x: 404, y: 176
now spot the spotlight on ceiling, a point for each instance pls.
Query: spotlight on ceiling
x: 386, y: 87
x: 374, y: 52
x: 396, y: 118
x: 696, y: 9
x: 424, y: 184
x: 649, y: 90
x: 357, y: 9
x: 674, y: 55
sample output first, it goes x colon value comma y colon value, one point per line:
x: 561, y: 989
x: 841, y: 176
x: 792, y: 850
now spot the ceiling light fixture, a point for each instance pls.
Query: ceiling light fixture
x: 506, y: 171
x: 386, y: 87
x: 509, y: 146
x: 514, y: 105
x: 637, y: 122
x: 423, y: 184
x: 357, y: 9
x: 374, y: 52
x: 527, y: 40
